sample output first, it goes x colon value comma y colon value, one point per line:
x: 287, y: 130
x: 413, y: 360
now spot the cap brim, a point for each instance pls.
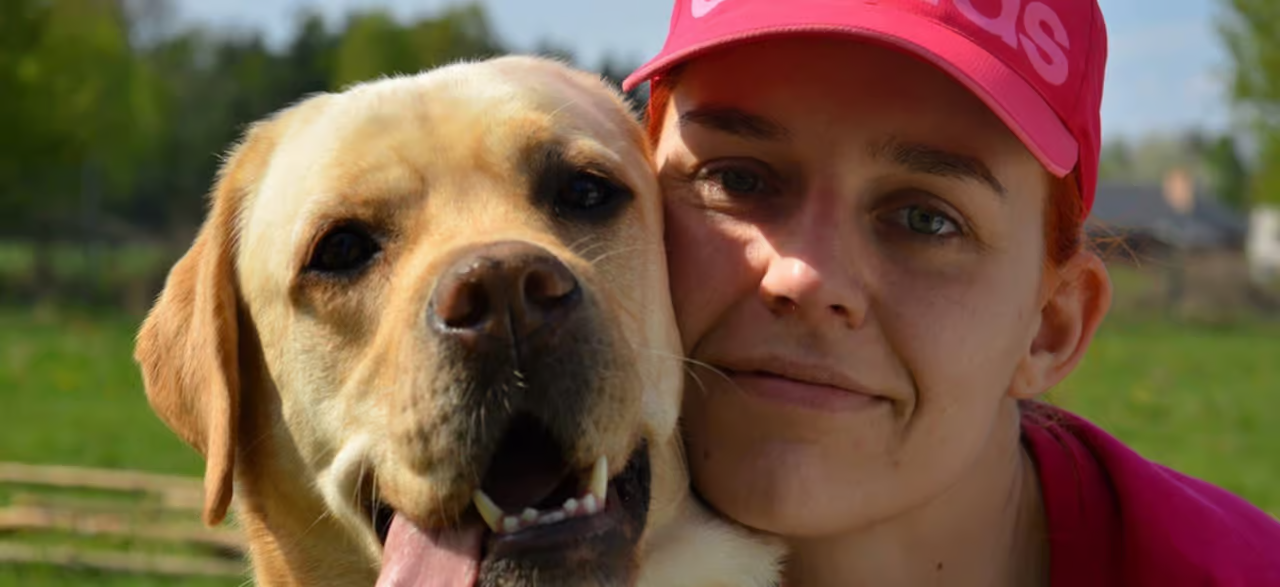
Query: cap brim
x: 1001, y: 88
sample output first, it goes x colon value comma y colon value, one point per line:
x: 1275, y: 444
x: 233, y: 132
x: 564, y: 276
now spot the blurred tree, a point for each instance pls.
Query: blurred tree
x: 1116, y: 160
x: 373, y: 45
x: 553, y: 50
x: 1251, y: 31
x: 614, y: 72
x: 83, y: 112
x: 22, y: 26
x: 1226, y: 172
x: 1148, y: 158
x: 459, y: 32
x: 309, y: 59
x: 114, y: 117
x: 1213, y: 158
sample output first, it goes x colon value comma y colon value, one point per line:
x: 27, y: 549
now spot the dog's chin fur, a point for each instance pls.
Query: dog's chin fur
x: 315, y: 395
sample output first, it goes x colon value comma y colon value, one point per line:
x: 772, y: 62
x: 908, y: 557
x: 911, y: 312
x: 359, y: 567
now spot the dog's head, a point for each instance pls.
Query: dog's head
x: 437, y: 306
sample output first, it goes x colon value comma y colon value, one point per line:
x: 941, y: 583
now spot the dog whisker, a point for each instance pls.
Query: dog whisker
x: 587, y: 240
x: 373, y: 502
x: 688, y: 365
x: 568, y: 104
x: 690, y: 362
x: 592, y: 247
x: 618, y: 251
x: 698, y: 380
x: 355, y: 489
x: 316, y: 522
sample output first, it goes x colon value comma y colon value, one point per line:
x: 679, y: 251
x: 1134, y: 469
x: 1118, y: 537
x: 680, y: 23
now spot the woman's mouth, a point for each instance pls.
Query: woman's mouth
x: 802, y: 387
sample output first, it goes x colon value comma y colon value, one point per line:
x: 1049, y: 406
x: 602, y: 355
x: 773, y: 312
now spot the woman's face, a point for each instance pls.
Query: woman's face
x: 856, y: 246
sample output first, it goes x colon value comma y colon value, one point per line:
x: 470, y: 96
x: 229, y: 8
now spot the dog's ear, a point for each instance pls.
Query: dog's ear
x: 187, y: 347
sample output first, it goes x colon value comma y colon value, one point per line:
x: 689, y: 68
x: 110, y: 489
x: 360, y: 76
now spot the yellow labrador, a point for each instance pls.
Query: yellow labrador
x: 425, y: 333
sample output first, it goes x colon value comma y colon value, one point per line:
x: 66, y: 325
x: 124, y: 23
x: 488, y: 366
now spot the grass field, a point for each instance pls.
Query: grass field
x: 1205, y: 401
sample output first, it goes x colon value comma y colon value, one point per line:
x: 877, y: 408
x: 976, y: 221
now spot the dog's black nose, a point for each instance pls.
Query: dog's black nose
x: 504, y: 290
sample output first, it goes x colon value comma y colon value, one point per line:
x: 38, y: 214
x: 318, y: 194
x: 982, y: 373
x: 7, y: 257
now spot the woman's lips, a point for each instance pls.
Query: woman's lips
x: 806, y: 394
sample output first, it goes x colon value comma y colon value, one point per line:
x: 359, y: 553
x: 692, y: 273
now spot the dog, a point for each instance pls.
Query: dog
x: 425, y: 333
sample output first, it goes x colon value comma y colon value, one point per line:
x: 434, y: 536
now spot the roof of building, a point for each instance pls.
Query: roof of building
x: 1137, y: 206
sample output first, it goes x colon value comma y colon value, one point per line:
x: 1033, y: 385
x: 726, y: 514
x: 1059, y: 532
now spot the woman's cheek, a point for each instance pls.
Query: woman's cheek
x: 705, y: 264
x: 959, y: 333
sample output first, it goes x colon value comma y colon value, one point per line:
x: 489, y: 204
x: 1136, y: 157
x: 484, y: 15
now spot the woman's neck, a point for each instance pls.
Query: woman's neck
x: 987, y: 530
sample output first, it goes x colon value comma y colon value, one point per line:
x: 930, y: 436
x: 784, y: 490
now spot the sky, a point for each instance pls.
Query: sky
x: 1166, y: 69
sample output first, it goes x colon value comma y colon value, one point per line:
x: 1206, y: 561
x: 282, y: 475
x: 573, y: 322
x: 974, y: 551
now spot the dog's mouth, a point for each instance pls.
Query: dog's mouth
x: 533, y: 516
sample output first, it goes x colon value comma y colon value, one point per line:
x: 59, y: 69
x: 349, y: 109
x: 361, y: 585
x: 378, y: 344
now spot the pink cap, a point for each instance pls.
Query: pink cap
x: 1038, y: 64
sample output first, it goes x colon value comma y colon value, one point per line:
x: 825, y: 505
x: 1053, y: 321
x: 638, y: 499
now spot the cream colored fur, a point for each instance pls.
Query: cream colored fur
x: 272, y: 377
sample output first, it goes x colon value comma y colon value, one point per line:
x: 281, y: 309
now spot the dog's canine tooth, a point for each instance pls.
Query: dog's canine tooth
x: 529, y: 515
x: 590, y: 505
x: 490, y: 511
x: 600, y: 478
x: 571, y: 506
x: 510, y: 524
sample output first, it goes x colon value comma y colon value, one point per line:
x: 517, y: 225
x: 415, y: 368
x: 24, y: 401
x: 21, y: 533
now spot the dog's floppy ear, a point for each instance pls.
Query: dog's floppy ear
x: 187, y: 348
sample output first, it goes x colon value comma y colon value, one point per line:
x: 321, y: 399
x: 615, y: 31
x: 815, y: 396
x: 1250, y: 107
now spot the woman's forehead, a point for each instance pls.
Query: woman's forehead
x: 805, y: 87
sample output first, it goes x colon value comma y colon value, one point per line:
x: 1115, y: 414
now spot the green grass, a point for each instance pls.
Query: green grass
x: 17, y: 261
x: 72, y: 395
x: 45, y: 576
x: 1205, y: 401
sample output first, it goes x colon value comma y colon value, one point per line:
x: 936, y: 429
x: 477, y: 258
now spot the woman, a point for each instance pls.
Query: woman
x: 874, y: 222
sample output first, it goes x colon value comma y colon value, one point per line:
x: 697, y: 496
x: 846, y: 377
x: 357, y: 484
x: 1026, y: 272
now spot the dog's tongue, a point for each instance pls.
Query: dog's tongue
x: 433, y: 558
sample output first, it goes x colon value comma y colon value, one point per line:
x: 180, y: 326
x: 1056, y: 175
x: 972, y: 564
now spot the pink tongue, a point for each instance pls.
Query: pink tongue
x: 433, y: 558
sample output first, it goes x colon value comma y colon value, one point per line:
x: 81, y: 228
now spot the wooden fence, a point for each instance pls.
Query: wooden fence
x: 115, y: 506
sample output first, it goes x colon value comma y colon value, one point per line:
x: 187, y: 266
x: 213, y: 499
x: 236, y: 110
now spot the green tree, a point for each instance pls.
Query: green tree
x: 80, y: 113
x: 1251, y: 31
x: 1116, y: 161
x: 374, y: 44
x: 1227, y: 175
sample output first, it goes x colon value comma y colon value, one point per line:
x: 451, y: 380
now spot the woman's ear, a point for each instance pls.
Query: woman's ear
x: 1075, y: 299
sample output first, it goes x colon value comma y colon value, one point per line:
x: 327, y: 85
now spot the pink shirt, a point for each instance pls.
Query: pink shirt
x: 1116, y: 518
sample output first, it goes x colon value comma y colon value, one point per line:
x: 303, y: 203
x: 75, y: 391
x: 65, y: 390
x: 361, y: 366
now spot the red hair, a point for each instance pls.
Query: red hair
x: 1063, y: 213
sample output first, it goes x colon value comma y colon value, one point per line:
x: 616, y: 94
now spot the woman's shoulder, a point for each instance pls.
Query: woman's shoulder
x: 1116, y: 517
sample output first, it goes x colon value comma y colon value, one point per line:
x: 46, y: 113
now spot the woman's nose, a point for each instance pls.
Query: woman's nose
x: 821, y: 293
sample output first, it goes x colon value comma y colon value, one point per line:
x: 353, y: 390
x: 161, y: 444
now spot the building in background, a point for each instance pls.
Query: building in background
x: 1263, y: 247
x: 1140, y: 222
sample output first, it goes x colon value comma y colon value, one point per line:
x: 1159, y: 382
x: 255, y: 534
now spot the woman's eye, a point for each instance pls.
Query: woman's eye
x: 740, y: 181
x: 927, y: 222
x: 342, y: 250
x: 734, y: 180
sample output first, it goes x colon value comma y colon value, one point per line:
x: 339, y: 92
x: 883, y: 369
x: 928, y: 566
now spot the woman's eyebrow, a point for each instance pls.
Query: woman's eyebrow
x: 735, y: 121
x: 930, y: 160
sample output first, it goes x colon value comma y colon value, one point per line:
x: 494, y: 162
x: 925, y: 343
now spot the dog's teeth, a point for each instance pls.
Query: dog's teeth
x: 600, y: 478
x: 591, y: 503
x: 590, y: 506
x: 553, y: 517
x: 490, y: 511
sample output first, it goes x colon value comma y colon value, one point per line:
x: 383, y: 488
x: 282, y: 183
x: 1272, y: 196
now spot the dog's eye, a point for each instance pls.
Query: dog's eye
x: 587, y: 195
x: 343, y: 249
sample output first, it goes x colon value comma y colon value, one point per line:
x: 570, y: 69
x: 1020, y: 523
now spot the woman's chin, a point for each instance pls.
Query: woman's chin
x: 775, y: 489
